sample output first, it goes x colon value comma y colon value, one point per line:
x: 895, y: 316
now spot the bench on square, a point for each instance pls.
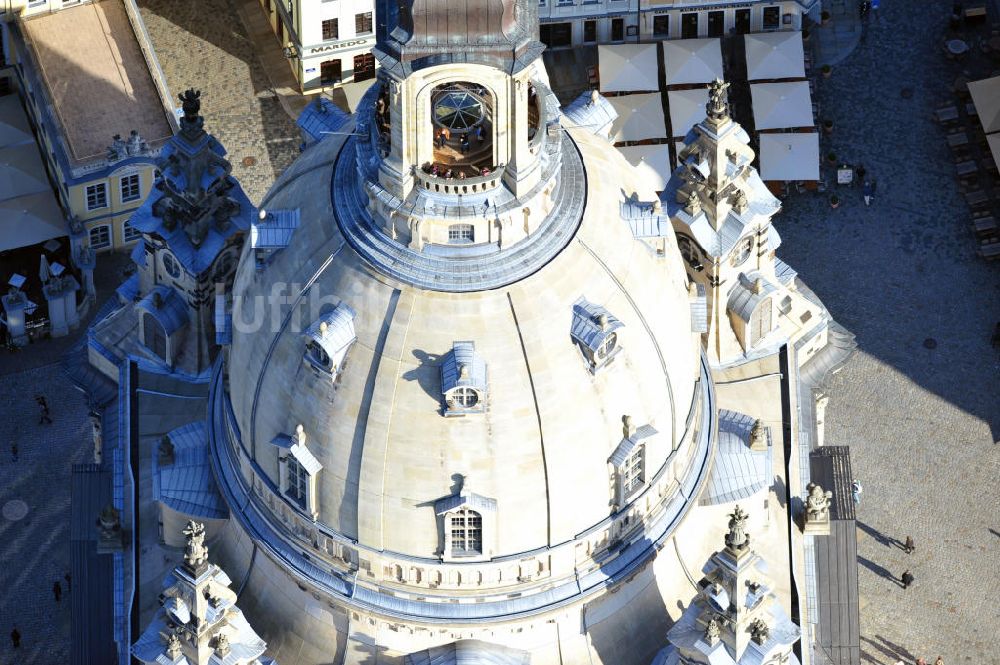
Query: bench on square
x: 984, y: 225
x: 990, y: 250
x: 977, y: 199
x: 946, y: 114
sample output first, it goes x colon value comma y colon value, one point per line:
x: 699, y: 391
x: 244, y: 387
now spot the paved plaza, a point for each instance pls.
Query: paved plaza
x: 204, y: 45
x: 922, y: 423
x: 36, y: 547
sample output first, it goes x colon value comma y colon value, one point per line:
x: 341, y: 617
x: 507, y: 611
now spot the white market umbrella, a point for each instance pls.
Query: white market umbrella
x: 627, y: 67
x: 689, y: 61
x: 986, y: 96
x: 639, y: 117
x: 687, y: 109
x: 775, y: 55
x: 652, y: 162
x: 781, y: 105
x: 789, y: 156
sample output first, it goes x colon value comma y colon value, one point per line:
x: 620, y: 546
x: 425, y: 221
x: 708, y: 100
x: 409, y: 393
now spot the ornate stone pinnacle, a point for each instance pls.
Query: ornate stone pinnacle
x: 718, y: 101
x: 712, y: 631
x: 195, y: 552
x: 737, y: 539
x: 759, y: 631
x: 221, y: 645
x: 173, y: 646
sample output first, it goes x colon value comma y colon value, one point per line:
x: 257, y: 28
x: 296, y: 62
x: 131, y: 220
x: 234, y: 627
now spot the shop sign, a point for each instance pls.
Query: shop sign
x: 335, y: 47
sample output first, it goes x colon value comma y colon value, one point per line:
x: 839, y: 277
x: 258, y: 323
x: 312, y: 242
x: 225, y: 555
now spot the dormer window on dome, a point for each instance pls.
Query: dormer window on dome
x: 329, y: 339
x: 628, y: 461
x: 594, y: 330
x: 463, y: 380
x: 468, y: 525
x: 298, y: 469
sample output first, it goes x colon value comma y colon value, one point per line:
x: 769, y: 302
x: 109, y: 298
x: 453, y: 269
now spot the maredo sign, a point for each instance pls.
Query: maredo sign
x: 335, y: 47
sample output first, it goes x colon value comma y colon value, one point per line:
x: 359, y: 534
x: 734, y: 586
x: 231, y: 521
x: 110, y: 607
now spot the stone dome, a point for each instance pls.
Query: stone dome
x: 378, y: 424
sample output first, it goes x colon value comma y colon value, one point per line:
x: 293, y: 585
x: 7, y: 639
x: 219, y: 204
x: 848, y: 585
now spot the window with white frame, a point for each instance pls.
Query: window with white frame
x: 363, y: 23
x: 130, y: 188
x: 100, y: 237
x: 298, y: 482
x: 460, y: 233
x: 97, y: 196
x: 129, y: 232
x: 466, y: 527
x: 633, y: 471
x: 331, y: 29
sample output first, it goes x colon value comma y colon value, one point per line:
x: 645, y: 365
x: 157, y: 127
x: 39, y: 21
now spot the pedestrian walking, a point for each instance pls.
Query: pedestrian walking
x: 465, y: 143
x: 57, y: 590
x: 437, y: 139
x: 479, y: 135
x: 907, y: 579
x: 43, y: 406
x: 939, y: 661
x: 856, y: 490
x: 15, y: 638
x: 909, y: 546
x: 13, y: 450
x: 921, y: 661
x: 868, y: 192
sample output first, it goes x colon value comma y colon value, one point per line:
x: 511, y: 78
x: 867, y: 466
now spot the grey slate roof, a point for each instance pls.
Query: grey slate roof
x: 738, y: 472
x: 480, y: 504
x: 321, y: 116
x: 276, y: 231
x: 463, y: 354
x: 591, y: 112
x: 187, y: 485
x: 336, y: 340
x: 626, y: 446
x: 699, y: 310
x: 785, y: 273
x: 585, y: 328
x: 742, y: 300
x: 469, y: 652
x: 172, y: 313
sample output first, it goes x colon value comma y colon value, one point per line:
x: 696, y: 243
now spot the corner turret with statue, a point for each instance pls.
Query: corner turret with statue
x: 193, y: 225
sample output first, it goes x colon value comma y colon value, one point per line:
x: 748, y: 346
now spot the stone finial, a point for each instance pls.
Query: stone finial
x: 818, y: 504
x: 693, y: 204
x: 191, y: 122
x: 759, y: 631
x: 323, y: 327
x: 758, y: 436
x: 740, y: 201
x: 712, y: 631
x: 221, y: 645
x: 195, y: 552
x: 737, y: 538
x: 718, y: 101
x: 602, y: 321
x: 262, y: 215
x: 300, y: 434
x: 628, y: 428
x: 173, y: 646
x: 657, y: 206
x: 594, y: 96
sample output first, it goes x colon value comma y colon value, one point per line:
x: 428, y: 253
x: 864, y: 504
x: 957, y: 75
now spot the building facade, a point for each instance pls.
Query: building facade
x: 326, y: 43
x: 566, y: 23
x: 99, y: 151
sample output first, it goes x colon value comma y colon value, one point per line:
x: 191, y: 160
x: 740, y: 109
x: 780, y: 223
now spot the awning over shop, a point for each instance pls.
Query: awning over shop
x: 688, y: 61
x: 687, y: 108
x: 986, y: 96
x: 781, y: 105
x: 627, y: 67
x: 639, y: 117
x: 21, y: 171
x: 789, y: 156
x: 30, y: 219
x: 652, y: 162
x: 775, y: 55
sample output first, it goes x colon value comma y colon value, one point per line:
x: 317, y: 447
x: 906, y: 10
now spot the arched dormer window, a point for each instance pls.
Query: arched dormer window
x: 594, y: 330
x: 329, y: 339
x: 298, y: 470
x: 750, y: 307
x: 463, y: 380
x: 467, y: 521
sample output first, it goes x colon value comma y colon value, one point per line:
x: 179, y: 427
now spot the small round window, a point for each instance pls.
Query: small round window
x: 171, y: 266
x: 742, y: 252
x: 458, y: 109
x: 464, y: 398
